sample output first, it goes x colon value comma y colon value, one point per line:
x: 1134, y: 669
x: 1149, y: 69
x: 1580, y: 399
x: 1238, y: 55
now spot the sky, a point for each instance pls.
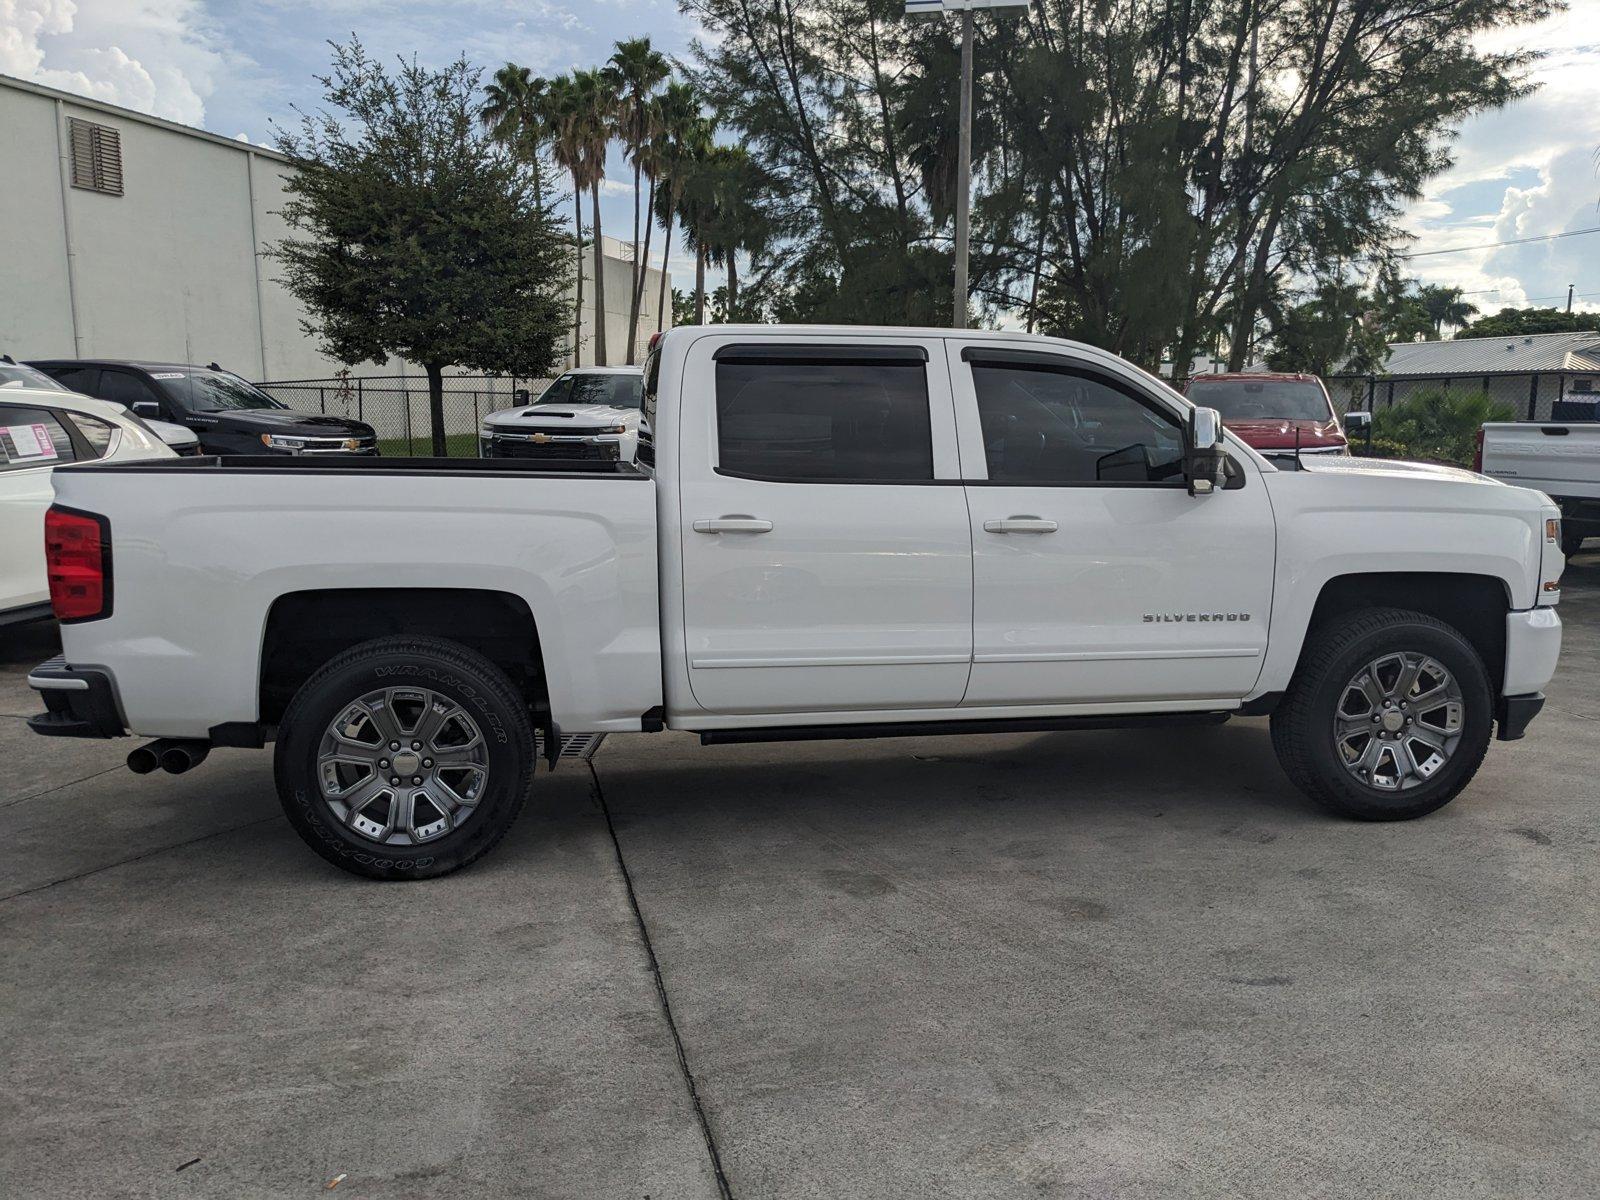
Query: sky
x: 234, y: 66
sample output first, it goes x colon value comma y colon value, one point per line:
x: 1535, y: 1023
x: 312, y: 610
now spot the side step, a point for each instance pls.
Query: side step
x: 816, y: 733
x: 580, y: 746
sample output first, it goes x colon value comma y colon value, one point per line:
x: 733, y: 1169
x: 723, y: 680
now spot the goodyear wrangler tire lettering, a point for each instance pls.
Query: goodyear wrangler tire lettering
x: 368, y: 825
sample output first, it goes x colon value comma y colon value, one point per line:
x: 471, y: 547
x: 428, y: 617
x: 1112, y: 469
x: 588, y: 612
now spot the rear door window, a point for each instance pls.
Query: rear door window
x: 33, y: 437
x: 824, y: 414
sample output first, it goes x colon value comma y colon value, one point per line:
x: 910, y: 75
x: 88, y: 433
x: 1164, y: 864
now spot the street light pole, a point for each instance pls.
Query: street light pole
x: 964, y: 173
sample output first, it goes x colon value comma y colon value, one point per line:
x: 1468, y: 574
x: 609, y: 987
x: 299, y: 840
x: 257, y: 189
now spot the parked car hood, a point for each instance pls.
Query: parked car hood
x: 575, y: 416
x: 1394, y: 468
x: 286, y: 421
x: 1280, y: 433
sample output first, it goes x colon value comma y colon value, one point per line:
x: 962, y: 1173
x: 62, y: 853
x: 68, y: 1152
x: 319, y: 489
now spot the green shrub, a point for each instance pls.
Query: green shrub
x: 1436, y: 425
x: 1380, y: 448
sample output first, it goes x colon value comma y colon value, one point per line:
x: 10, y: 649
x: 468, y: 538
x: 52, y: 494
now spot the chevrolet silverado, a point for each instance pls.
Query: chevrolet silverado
x: 830, y: 532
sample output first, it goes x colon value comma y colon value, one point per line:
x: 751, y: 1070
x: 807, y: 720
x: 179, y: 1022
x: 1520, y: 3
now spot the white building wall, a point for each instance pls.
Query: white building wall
x: 173, y: 268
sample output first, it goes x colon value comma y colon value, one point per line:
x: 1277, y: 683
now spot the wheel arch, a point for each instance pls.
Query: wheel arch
x: 305, y: 629
x: 1474, y: 605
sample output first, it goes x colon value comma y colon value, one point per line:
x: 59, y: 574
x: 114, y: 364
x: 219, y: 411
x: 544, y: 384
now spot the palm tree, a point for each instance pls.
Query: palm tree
x: 568, y: 148
x: 738, y: 223
x: 638, y: 70
x: 683, y: 135
x: 513, y: 113
x: 1445, y: 306
x: 594, y: 110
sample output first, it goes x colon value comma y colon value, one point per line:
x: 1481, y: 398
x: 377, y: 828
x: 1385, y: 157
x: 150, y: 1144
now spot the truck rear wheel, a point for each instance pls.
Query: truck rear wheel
x: 404, y: 758
x: 1571, y: 541
x: 1388, y: 716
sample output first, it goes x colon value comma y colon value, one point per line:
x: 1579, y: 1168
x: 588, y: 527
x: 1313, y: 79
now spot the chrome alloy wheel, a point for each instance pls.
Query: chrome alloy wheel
x: 1398, y: 721
x: 402, y: 766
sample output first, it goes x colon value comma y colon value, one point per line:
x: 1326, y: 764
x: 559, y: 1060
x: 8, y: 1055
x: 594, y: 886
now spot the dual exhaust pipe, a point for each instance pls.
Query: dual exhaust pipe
x: 172, y: 755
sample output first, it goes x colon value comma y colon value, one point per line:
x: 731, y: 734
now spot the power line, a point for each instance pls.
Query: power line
x: 1547, y: 237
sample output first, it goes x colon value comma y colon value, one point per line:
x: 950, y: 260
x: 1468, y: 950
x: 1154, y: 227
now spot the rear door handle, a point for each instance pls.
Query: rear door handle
x: 733, y: 525
x: 1020, y: 525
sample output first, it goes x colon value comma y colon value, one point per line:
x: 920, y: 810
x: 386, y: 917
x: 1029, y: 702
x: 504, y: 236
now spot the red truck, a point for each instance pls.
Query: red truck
x: 1273, y: 413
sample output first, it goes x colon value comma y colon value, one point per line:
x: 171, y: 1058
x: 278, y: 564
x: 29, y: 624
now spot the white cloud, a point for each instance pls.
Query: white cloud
x: 1523, y: 171
x: 157, y: 56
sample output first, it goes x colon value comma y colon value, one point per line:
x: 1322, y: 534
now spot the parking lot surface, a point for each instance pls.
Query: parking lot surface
x: 1116, y: 964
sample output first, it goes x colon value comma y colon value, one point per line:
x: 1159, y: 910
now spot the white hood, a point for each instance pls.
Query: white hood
x: 563, y: 416
x: 1329, y: 464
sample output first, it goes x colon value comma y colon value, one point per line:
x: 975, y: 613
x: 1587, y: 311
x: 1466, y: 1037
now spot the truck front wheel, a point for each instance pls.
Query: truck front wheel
x: 1388, y: 716
x: 404, y: 758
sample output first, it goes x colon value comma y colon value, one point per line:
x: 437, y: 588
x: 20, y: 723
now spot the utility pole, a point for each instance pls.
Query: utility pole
x: 1570, y: 286
x: 964, y: 173
x: 964, y: 167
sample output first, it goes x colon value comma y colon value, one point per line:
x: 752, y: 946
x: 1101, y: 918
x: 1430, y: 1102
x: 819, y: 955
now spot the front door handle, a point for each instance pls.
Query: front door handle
x: 733, y: 525
x: 1020, y: 525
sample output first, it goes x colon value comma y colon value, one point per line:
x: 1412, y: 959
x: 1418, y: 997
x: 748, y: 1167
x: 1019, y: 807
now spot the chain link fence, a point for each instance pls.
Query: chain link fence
x: 396, y: 406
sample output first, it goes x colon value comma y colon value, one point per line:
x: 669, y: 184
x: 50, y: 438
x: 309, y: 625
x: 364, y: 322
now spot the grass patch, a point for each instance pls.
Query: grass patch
x: 456, y: 445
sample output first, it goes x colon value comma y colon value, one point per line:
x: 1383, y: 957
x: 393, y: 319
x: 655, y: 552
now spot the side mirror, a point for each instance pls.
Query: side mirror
x: 146, y: 408
x: 520, y: 396
x: 1205, y: 459
x: 1357, y: 420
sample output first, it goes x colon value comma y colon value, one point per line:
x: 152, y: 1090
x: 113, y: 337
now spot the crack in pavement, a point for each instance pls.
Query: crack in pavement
x: 122, y: 862
x: 57, y: 787
x: 661, y: 993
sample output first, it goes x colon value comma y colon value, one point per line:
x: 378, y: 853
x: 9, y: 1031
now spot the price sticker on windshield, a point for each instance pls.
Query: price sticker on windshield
x: 25, y: 443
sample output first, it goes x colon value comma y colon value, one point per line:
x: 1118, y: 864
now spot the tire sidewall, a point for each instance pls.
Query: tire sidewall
x: 321, y: 700
x: 1460, y: 659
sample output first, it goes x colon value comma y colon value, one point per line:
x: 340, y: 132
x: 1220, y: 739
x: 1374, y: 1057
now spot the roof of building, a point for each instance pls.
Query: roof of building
x: 128, y: 114
x: 1519, y: 355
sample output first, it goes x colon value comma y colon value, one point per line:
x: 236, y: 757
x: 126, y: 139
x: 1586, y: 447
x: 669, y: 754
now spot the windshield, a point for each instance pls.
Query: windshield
x: 212, y: 391
x: 616, y: 391
x: 18, y: 375
x: 1262, y: 399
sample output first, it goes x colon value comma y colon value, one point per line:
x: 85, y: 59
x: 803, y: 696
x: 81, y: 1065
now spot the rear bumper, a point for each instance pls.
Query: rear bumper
x: 79, y: 701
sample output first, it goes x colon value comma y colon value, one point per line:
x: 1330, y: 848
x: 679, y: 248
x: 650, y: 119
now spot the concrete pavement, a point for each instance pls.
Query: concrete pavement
x: 1117, y: 964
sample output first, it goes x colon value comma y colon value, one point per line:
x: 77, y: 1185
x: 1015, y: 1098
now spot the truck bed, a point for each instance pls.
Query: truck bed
x: 202, y: 549
x: 1561, y: 459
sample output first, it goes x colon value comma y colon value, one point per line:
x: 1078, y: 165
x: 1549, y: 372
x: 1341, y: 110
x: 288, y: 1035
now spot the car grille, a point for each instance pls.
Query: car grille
x: 339, y: 445
x: 554, y: 451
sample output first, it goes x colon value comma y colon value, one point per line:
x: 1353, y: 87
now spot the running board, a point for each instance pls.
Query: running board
x: 819, y: 733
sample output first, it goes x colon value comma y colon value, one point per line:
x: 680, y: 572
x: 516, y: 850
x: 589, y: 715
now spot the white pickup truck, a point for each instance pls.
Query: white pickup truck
x: 831, y: 532
x: 1560, y: 458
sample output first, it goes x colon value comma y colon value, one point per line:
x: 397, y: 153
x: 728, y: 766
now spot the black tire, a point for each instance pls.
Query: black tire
x: 445, y: 668
x: 1571, y: 541
x: 1302, y: 725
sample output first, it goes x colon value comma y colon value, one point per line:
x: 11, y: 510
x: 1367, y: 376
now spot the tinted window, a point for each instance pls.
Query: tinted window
x: 32, y: 437
x: 1262, y: 399
x: 77, y: 379
x: 22, y: 375
x: 119, y: 387
x: 1047, y: 425
x: 819, y: 419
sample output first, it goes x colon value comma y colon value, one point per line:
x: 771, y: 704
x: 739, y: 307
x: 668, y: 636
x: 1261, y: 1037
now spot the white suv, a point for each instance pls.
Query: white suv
x: 41, y: 428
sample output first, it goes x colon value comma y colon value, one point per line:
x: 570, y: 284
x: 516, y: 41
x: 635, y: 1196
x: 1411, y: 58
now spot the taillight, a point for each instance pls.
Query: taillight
x: 77, y: 558
x: 1477, y: 451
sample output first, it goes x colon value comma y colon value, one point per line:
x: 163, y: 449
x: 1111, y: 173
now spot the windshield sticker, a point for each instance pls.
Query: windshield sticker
x: 166, y: 374
x: 25, y: 442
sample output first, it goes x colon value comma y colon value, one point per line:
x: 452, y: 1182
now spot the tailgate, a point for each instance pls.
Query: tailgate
x: 1559, y: 459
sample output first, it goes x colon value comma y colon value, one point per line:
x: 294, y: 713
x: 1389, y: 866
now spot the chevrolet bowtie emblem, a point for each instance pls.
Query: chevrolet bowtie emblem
x: 352, y: 444
x: 540, y: 438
